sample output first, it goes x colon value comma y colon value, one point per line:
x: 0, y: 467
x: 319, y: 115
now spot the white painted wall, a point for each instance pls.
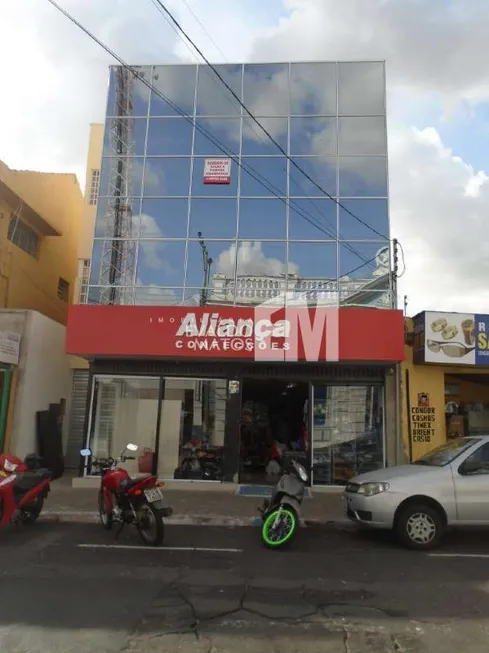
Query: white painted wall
x: 44, y: 376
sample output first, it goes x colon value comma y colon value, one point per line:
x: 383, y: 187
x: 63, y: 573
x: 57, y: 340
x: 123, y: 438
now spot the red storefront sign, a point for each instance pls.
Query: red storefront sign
x: 301, y: 334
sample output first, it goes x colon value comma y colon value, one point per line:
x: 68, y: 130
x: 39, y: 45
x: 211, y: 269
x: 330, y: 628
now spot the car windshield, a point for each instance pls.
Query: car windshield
x: 446, y: 453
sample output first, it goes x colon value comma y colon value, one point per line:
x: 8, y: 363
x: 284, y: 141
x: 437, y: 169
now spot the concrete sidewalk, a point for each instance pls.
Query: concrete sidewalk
x: 214, y: 507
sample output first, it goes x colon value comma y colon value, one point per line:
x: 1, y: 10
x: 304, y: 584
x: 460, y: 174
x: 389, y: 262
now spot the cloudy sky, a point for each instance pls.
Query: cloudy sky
x: 55, y: 84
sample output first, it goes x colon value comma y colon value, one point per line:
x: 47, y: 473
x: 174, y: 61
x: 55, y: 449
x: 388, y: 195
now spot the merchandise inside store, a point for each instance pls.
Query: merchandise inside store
x: 466, y: 405
x: 183, y: 427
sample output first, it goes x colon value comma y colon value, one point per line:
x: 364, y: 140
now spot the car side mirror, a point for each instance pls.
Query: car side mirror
x: 470, y: 467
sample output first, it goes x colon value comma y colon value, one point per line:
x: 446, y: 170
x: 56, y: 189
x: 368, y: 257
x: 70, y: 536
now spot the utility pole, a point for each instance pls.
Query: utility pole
x: 207, y: 261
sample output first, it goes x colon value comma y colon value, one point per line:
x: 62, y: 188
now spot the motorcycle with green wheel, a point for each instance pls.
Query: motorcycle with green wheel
x: 281, y: 513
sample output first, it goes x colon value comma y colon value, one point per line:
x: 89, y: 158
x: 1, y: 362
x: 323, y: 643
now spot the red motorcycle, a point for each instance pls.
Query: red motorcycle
x: 126, y: 500
x: 22, y: 495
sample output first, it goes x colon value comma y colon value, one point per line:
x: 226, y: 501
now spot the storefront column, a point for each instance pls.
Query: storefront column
x: 230, y: 466
x: 394, y: 451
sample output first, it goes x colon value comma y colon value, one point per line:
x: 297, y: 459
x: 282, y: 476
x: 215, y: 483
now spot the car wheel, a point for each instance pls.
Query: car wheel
x: 420, y: 527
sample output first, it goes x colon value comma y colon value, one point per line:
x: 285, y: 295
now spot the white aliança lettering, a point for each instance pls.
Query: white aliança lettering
x: 211, y: 325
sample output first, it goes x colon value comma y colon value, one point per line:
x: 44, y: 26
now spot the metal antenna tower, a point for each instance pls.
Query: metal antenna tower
x: 117, y: 268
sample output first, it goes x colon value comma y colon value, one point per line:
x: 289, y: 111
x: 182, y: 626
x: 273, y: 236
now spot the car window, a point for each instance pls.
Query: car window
x: 446, y: 453
x: 479, y: 460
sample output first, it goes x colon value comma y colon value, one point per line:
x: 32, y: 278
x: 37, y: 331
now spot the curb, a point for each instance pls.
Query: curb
x: 86, y: 517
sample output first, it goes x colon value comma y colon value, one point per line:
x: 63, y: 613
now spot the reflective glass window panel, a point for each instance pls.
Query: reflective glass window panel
x: 213, y: 190
x: 166, y: 177
x: 160, y: 263
x: 262, y: 259
x: 213, y: 98
x: 93, y: 295
x: 222, y: 264
x: 263, y: 176
x: 322, y: 170
x: 363, y: 176
x: 128, y: 95
x: 177, y: 84
x: 121, y: 176
x: 200, y: 296
x: 315, y: 261
x: 112, y: 262
x: 214, y: 218
x: 127, y: 135
x: 313, y: 136
x: 106, y: 224
x: 214, y: 135
x: 97, y: 249
x: 266, y: 89
x: 361, y: 263
x: 156, y: 296
x: 256, y: 142
x: 264, y: 218
x: 313, y: 89
x: 361, y: 88
x: 113, y: 295
x: 365, y: 135
x: 169, y: 136
x: 312, y: 219
x: 164, y: 218
x: 372, y: 222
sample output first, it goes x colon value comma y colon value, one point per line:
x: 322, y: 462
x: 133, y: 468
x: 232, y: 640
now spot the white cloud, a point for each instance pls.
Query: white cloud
x: 252, y: 261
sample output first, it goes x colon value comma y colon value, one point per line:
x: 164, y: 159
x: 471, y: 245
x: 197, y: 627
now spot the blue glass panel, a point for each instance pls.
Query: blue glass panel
x: 258, y: 258
x: 160, y: 263
x: 373, y: 213
x: 111, y: 261
x: 316, y: 261
x: 97, y: 249
x: 177, y: 84
x: 213, y: 99
x: 121, y: 176
x: 214, y: 218
x: 313, y: 136
x: 222, y: 255
x: 363, y: 260
x: 312, y: 219
x: 169, y: 136
x: 322, y: 170
x: 214, y: 135
x: 365, y: 135
x: 313, y: 89
x: 164, y: 218
x: 271, y: 173
x: 266, y: 89
x: 363, y: 176
x: 130, y: 131
x: 166, y: 177
x: 128, y: 95
x: 109, y: 208
x: 264, y: 218
x: 361, y: 88
x: 155, y: 296
x: 256, y: 142
x: 213, y: 190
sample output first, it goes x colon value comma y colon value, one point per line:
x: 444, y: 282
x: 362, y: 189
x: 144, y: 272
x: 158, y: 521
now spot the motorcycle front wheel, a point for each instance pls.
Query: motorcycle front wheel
x: 31, y: 511
x: 279, y: 527
x: 150, y: 525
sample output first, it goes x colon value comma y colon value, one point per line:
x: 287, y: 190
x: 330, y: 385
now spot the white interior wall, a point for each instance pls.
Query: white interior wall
x: 44, y: 377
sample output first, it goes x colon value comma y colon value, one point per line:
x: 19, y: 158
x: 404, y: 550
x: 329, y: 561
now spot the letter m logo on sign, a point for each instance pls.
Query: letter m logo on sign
x: 308, y: 333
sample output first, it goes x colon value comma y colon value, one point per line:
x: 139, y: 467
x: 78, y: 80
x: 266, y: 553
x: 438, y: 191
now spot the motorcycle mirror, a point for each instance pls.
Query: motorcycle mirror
x: 85, y: 452
x: 132, y: 447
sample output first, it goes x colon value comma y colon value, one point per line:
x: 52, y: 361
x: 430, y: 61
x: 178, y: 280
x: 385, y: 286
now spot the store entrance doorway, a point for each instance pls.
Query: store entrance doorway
x: 273, y: 428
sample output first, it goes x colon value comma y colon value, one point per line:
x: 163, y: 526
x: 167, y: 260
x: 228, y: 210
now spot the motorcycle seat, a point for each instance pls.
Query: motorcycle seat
x: 130, y: 482
x: 27, y: 480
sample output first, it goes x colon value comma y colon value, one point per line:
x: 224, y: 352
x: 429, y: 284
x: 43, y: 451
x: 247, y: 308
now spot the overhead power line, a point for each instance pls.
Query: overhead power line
x: 247, y: 168
x: 258, y: 123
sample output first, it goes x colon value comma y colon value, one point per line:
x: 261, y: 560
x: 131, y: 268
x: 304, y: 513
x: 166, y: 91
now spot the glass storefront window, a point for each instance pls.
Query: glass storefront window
x: 192, y: 429
x: 124, y: 409
x: 347, y: 432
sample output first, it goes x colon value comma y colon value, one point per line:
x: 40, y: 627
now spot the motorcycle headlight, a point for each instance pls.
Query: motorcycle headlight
x: 10, y: 467
x: 371, y: 489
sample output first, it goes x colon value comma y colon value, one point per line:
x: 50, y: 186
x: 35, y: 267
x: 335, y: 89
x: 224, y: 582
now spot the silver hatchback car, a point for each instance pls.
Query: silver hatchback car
x: 448, y: 487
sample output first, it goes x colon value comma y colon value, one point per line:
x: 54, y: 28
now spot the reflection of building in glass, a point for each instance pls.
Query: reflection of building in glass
x: 319, y: 217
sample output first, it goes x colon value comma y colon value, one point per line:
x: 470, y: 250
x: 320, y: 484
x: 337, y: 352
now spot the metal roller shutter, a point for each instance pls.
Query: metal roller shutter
x: 76, y: 423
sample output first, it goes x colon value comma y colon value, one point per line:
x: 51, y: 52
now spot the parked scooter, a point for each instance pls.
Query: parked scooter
x: 22, y: 496
x: 281, y: 513
x: 126, y: 500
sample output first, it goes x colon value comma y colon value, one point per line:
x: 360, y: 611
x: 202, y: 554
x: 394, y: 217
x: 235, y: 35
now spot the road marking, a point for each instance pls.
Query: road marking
x: 158, y: 548
x: 458, y: 555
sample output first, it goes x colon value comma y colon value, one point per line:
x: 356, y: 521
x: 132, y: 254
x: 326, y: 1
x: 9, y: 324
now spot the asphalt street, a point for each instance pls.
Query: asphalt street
x: 72, y: 587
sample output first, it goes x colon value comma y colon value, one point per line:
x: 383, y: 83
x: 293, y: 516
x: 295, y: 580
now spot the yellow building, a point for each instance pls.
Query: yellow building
x: 445, y: 380
x: 79, y: 366
x: 40, y: 220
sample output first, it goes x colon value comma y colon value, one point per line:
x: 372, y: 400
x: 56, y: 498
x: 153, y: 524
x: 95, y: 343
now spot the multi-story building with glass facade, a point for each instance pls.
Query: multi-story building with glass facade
x: 202, y: 210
